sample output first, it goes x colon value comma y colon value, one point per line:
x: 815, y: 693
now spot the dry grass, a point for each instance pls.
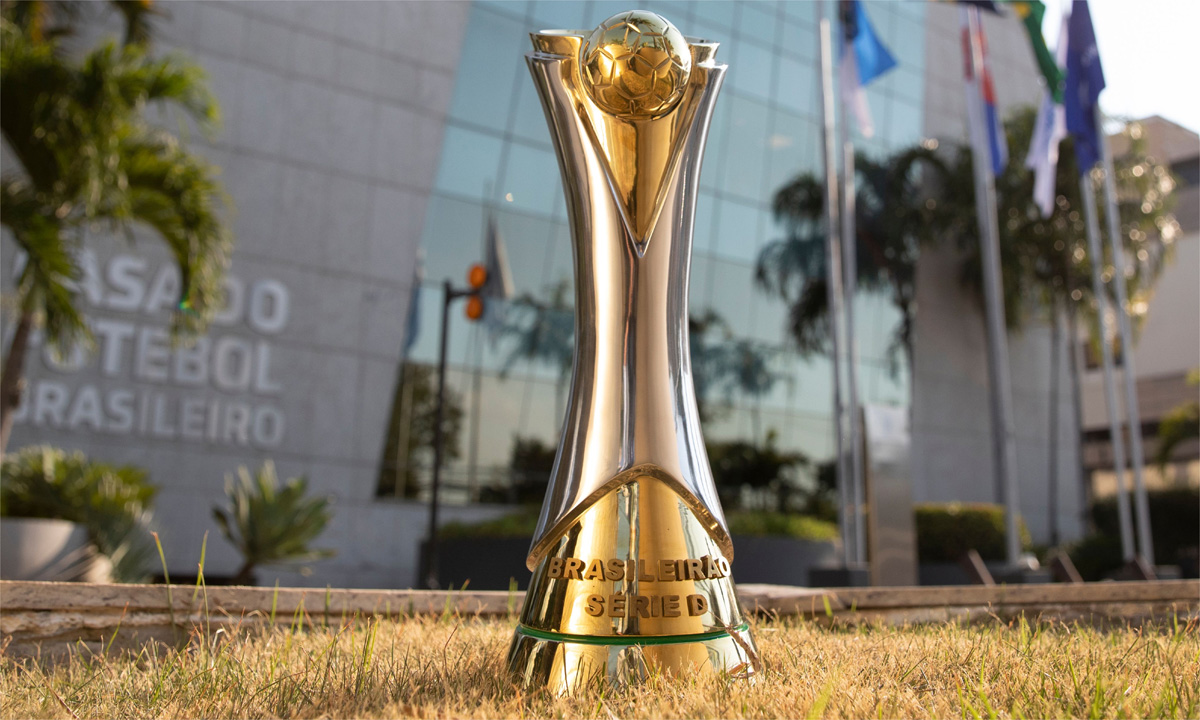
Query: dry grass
x: 453, y: 667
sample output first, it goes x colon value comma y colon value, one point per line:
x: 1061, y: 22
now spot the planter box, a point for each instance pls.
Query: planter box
x: 42, y: 549
x: 490, y: 563
x: 780, y: 560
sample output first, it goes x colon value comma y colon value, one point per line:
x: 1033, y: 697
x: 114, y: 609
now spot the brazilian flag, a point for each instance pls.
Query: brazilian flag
x: 1031, y: 13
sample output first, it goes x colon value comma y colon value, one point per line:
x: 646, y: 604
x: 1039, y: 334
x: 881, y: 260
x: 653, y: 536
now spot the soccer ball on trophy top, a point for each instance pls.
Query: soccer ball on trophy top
x: 636, y: 64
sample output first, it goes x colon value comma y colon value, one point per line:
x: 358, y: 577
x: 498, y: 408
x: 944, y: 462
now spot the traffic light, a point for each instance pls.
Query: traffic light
x: 476, y: 278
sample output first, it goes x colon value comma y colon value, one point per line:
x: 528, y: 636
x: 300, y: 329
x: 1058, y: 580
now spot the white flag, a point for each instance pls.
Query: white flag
x: 1048, y: 131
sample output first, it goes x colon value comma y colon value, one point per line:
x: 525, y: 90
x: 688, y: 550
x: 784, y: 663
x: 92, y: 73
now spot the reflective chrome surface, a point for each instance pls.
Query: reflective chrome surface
x: 630, y: 184
x: 569, y: 667
x: 631, y: 556
x: 644, y: 519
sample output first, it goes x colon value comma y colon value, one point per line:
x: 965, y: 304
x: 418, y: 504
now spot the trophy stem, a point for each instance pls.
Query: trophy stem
x: 631, y: 556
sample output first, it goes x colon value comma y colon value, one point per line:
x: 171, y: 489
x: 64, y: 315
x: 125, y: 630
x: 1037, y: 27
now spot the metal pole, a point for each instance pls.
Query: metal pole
x: 834, y: 274
x: 850, y: 264
x: 476, y: 391
x: 1003, y: 443
x: 1052, y: 478
x: 431, y: 575
x: 1110, y: 391
x: 1132, y: 413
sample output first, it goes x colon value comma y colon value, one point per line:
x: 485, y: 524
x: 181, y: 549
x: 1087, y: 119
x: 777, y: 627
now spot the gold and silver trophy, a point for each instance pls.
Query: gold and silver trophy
x: 631, y: 556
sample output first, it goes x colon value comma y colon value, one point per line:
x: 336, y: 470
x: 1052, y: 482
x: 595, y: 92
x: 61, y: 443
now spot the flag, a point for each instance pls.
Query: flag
x: 499, y: 285
x: 1048, y: 131
x: 413, y: 328
x: 1085, y: 80
x: 981, y: 95
x: 988, y: 5
x: 864, y: 58
x: 1031, y: 14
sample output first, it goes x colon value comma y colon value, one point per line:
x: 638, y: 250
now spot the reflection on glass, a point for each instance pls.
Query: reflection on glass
x: 764, y: 132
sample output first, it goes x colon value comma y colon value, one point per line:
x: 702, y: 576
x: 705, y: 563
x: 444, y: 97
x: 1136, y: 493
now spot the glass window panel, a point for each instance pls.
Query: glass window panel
x: 750, y: 68
x: 559, y: 14
x: 515, y: 8
x: 907, y: 85
x: 742, y: 169
x: 559, y: 266
x: 716, y: 13
x: 425, y: 348
x: 770, y: 317
x: 718, y: 139
x: 529, y: 121
x: 904, y: 123
x: 730, y: 280
x: 737, y: 234
x: 525, y: 239
x: 759, y: 23
x: 469, y: 162
x: 705, y: 227
x: 800, y: 12
x: 483, y: 87
x: 814, y: 386
x: 531, y: 178
x: 792, y: 150
x: 906, y: 40
x: 452, y: 235
x: 598, y: 12
x: 700, y: 283
x: 799, y: 39
x: 677, y: 12
x: 796, y: 87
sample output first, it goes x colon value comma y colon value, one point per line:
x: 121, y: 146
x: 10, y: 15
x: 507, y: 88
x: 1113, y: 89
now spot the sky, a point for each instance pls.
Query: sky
x: 1150, y: 50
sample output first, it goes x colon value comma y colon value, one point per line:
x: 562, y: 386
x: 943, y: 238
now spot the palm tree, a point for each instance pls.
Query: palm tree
x: 893, y: 218
x: 545, y: 332
x: 920, y: 196
x: 1046, y: 260
x: 88, y: 156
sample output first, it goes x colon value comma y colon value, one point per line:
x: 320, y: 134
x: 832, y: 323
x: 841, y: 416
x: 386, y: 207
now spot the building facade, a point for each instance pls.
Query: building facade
x: 1168, y: 334
x: 361, y: 136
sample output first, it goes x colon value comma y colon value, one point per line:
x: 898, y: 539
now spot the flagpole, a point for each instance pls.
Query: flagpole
x: 834, y: 274
x: 1132, y: 413
x: 850, y: 264
x: 1003, y: 442
x: 1087, y: 189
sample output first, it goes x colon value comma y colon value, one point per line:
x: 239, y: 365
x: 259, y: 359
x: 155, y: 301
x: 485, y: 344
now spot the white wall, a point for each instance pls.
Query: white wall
x: 333, y: 120
x: 952, y: 435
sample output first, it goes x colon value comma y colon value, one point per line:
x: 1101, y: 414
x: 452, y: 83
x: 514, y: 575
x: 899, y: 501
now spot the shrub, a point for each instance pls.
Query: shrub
x: 1174, y: 528
x: 522, y: 525
x: 269, y: 524
x: 774, y: 524
x: 112, y: 503
x: 515, y: 525
x: 946, y: 531
x: 1096, y: 556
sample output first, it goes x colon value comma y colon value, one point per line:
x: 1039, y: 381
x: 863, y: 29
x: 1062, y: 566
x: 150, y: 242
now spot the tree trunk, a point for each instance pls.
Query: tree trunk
x: 13, y: 376
x: 245, y: 574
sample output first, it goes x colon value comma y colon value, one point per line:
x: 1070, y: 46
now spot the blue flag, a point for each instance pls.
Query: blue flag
x: 1085, y: 80
x: 864, y: 58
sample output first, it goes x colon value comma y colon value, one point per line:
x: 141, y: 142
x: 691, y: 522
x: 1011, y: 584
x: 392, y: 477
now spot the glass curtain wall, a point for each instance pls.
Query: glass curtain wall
x: 510, y: 384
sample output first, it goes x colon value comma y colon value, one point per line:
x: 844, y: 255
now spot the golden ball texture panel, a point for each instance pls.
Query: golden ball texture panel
x: 636, y: 64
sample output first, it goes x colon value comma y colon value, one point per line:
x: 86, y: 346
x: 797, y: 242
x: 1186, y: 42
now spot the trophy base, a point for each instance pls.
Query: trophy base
x: 571, y: 664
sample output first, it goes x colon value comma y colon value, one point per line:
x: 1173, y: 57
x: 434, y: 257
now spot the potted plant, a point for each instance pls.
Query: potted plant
x: 269, y: 524
x: 68, y: 518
